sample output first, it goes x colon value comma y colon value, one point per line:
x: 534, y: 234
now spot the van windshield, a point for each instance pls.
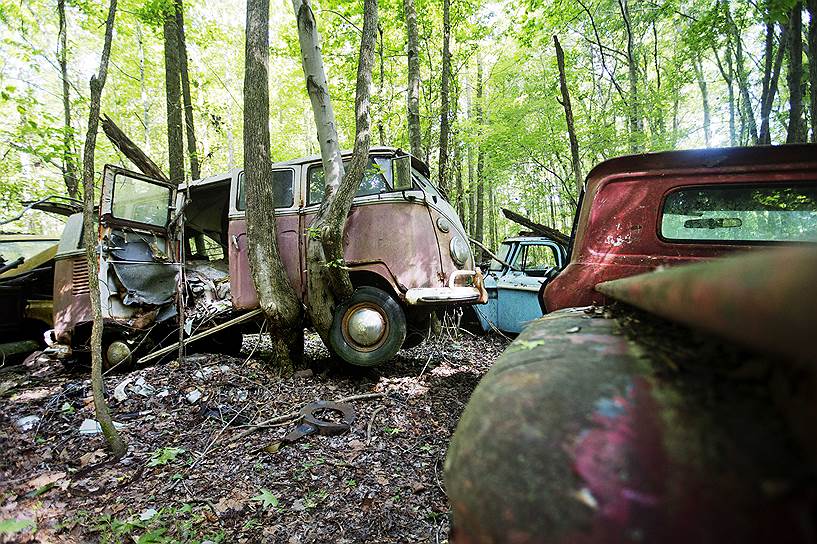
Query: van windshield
x: 376, y: 179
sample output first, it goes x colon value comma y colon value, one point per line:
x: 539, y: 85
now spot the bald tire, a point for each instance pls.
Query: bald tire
x: 390, y: 344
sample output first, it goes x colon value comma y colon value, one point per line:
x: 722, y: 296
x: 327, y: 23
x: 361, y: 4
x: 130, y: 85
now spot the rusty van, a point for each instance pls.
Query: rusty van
x: 406, y: 250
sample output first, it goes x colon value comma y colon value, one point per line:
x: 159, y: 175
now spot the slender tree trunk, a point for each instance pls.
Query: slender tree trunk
x: 195, y: 171
x: 328, y: 285
x: 230, y: 120
x: 444, y: 92
x: 89, y: 235
x: 797, y: 128
x: 747, y: 112
x: 380, y: 94
x: 69, y: 166
x: 143, y: 89
x: 699, y: 74
x: 635, y: 122
x: 812, y: 65
x: 479, y: 230
x: 175, y: 142
x: 770, y: 80
x: 728, y: 75
x: 275, y: 294
x: 571, y: 129
x: 470, y: 149
x: 413, y: 80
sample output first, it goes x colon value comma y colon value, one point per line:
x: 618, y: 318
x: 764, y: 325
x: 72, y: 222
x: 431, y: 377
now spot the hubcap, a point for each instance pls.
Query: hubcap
x: 117, y: 352
x: 366, y: 326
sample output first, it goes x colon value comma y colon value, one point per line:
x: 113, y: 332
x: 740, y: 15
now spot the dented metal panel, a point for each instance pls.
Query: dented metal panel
x: 575, y: 436
x: 765, y: 300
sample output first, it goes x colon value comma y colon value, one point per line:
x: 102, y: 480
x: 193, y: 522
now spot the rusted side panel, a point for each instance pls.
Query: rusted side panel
x: 241, y: 284
x: 617, y: 227
x: 72, y: 301
x: 765, y: 300
x: 400, y: 235
x: 572, y: 437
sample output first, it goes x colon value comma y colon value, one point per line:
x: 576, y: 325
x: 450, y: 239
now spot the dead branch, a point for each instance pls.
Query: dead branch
x: 132, y: 151
x: 537, y: 228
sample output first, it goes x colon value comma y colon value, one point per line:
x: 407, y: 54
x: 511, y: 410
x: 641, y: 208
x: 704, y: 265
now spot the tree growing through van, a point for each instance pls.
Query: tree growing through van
x: 328, y: 281
x: 275, y: 294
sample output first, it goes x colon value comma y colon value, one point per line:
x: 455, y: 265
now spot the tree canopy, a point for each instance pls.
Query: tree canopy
x: 642, y: 76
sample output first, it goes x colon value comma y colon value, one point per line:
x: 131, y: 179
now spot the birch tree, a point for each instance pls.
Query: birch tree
x: 328, y: 282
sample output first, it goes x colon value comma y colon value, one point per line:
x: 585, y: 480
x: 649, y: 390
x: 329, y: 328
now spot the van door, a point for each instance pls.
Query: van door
x: 138, y: 262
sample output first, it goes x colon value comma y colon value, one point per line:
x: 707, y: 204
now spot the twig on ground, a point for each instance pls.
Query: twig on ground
x: 424, y: 367
x: 371, y: 422
x: 292, y: 416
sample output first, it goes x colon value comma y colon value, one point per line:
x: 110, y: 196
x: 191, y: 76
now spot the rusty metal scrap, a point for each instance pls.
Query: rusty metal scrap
x: 310, y: 423
x: 765, y: 300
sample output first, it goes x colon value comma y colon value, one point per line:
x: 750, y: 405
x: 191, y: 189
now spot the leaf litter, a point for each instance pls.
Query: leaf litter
x: 204, y: 476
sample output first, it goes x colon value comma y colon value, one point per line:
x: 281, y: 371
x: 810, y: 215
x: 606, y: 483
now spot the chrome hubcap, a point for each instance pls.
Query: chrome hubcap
x: 366, y: 326
x: 118, y: 352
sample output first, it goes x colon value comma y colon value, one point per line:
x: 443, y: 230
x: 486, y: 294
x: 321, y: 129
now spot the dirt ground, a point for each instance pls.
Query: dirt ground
x: 195, y: 470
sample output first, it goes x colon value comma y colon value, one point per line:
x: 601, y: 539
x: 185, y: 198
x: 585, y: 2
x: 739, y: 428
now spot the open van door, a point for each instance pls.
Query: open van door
x: 138, y: 261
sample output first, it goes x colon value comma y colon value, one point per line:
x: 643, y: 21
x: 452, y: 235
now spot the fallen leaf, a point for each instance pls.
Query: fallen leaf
x: 45, y: 479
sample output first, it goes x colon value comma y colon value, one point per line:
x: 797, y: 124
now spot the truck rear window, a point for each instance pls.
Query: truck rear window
x: 745, y: 213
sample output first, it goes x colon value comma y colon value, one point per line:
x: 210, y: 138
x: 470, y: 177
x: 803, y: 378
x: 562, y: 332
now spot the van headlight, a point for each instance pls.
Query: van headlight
x: 459, y: 250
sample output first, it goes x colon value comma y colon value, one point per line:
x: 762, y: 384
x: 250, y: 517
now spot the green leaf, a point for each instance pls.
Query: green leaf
x: 164, y: 456
x: 267, y: 499
x: 11, y: 526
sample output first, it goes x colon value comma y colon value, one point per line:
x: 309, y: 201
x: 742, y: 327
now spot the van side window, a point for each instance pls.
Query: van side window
x: 776, y: 212
x: 374, y: 180
x: 283, y: 183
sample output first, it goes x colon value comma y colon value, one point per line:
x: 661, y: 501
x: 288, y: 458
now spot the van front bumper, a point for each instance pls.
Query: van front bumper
x: 474, y: 293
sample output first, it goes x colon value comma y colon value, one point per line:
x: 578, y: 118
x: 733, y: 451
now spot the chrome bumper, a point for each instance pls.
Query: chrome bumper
x: 454, y: 294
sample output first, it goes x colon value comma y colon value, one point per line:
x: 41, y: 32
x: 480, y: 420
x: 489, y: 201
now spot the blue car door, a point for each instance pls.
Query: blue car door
x: 518, y: 289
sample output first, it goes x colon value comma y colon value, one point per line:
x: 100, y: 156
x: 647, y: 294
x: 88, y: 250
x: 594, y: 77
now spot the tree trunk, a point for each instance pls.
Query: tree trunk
x: 444, y: 91
x: 328, y: 281
x: 771, y: 76
x: 69, y: 165
x: 143, y: 89
x: 275, y: 294
x: 175, y: 145
x: 747, y: 113
x: 728, y: 75
x: 635, y: 122
x: 479, y: 229
x: 699, y: 74
x: 797, y: 129
x: 195, y: 172
x: 812, y: 65
x: 381, y: 130
x: 413, y: 81
x: 89, y: 236
x: 571, y: 129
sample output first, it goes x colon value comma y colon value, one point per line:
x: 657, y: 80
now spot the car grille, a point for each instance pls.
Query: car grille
x: 80, y: 277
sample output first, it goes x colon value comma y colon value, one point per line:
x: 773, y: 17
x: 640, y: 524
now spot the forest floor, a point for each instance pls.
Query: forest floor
x: 193, y: 471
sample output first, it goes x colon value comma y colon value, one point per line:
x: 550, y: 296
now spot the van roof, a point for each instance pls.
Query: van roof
x: 374, y: 150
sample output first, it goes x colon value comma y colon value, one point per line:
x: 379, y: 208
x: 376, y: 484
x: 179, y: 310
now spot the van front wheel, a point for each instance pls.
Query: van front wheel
x: 369, y: 328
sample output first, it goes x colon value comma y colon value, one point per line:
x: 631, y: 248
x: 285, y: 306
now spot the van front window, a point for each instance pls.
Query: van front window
x: 140, y: 201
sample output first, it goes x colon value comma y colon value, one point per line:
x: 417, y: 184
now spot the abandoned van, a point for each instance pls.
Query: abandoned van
x: 405, y: 248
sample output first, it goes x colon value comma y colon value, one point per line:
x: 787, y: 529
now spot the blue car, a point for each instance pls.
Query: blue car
x: 513, y: 282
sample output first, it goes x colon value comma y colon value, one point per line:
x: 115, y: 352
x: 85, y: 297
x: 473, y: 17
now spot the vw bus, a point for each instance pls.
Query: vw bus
x: 406, y: 250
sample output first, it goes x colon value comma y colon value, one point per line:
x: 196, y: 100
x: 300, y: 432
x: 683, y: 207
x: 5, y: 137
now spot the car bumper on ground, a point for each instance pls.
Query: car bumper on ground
x: 455, y: 292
